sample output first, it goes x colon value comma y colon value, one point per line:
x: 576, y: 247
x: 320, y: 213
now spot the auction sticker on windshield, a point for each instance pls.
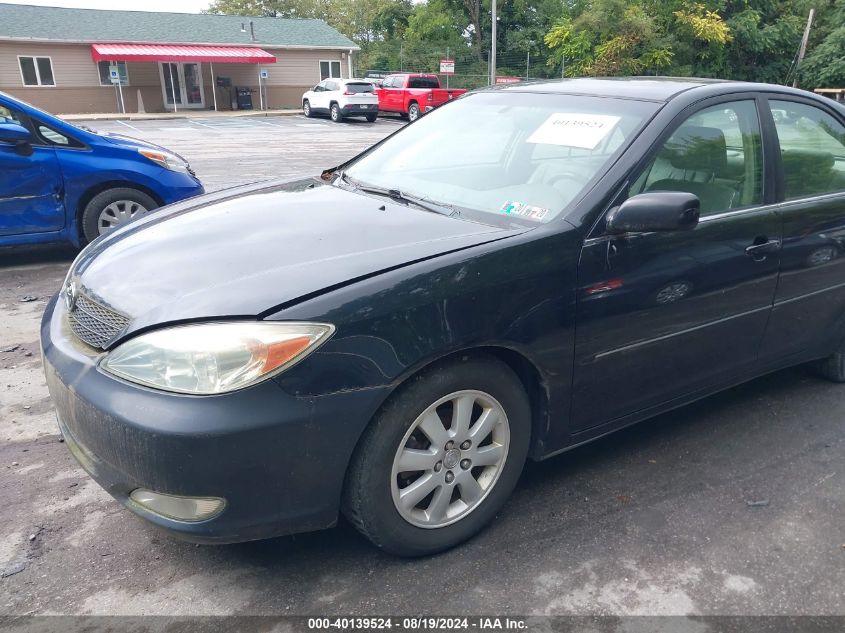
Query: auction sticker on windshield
x: 574, y: 130
x: 527, y: 211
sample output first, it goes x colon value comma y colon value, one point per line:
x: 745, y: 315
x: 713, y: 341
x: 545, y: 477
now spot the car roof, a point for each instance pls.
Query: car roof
x: 660, y: 89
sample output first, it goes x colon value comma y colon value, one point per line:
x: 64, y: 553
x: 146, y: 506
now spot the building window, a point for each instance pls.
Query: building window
x: 105, y: 75
x: 329, y: 70
x: 36, y: 71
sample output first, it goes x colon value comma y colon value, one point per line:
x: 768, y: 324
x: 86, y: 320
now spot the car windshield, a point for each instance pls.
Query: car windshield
x: 523, y: 155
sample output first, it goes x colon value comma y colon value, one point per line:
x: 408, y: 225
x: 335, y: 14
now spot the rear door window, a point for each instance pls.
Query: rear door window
x: 812, y: 149
x: 423, y: 82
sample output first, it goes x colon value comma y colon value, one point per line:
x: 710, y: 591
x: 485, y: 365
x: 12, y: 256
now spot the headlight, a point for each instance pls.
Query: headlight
x: 211, y: 358
x: 166, y: 160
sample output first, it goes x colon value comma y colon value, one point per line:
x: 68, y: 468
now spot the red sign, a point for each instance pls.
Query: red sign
x: 508, y: 80
x: 447, y: 66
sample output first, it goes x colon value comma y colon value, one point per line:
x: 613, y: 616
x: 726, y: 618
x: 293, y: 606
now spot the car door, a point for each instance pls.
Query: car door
x: 320, y: 101
x: 393, y: 94
x: 662, y: 315
x: 30, y: 183
x: 810, y: 299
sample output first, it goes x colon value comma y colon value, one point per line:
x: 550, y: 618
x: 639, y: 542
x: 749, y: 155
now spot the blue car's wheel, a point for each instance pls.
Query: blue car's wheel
x: 113, y: 208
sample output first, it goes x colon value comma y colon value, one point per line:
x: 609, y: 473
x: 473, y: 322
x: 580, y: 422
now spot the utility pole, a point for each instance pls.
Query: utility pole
x: 803, y: 48
x: 493, y: 43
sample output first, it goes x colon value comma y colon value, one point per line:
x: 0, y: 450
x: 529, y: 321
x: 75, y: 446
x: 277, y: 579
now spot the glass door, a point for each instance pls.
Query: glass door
x: 181, y: 84
x: 193, y: 84
x: 171, y: 84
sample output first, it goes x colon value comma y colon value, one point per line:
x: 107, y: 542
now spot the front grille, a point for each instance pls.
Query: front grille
x: 95, y: 324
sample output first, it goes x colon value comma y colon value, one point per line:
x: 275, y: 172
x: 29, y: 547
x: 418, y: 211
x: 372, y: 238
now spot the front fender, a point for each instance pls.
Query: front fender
x: 517, y: 294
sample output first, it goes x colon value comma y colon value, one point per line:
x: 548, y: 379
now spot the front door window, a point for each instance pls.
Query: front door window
x: 717, y: 154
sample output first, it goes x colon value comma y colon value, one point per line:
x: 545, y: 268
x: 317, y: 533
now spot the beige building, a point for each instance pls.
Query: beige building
x: 84, y: 60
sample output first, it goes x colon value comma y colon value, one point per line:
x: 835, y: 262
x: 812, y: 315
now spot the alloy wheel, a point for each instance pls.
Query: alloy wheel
x: 450, y: 459
x: 118, y: 213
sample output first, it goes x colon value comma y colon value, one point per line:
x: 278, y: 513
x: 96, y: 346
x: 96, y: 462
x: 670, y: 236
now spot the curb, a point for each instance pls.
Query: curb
x: 171, y: 117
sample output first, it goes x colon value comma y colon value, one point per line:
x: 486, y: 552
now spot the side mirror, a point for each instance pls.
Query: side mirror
x: 13, y: 133
x: 655, y: 211
x: 17, y: 134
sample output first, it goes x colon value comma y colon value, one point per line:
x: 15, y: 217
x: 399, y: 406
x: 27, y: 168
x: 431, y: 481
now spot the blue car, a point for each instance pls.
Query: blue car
x: 63, y: 183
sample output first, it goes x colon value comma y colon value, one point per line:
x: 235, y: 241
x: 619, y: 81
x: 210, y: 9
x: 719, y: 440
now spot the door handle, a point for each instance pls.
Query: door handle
x: 762, y: 247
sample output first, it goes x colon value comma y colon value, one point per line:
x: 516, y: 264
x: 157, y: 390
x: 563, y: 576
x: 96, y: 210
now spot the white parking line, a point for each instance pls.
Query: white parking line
x: 210, y: 127
x: 127, y: 125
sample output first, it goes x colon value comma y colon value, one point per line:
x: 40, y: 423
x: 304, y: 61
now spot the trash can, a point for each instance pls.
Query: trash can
x: 244, y: 98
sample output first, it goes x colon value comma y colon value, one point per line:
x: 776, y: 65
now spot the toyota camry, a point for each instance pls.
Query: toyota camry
x: 526, y: 269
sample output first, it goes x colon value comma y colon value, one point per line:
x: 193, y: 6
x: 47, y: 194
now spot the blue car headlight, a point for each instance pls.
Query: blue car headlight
x: 166, y: 160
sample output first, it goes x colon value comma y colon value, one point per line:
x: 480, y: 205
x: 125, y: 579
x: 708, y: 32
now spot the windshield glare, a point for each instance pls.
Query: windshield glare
x: 521, y: 155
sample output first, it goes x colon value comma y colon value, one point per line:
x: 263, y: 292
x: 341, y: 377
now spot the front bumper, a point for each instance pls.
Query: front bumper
x: 278, y: 460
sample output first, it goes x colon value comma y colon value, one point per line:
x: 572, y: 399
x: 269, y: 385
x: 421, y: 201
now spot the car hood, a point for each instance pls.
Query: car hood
x: 250, y: 251
x: 130, y: 142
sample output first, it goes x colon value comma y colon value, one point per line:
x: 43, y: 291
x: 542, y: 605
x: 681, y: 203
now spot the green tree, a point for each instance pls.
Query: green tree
x: 824, y: 66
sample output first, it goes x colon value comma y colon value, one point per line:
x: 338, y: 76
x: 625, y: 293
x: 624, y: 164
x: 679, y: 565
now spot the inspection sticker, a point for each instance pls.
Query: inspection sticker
x: 574, y: 130
x: 526, y: 211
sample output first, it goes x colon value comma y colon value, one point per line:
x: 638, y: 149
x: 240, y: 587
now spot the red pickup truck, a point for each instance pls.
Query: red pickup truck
x: 413, y: 94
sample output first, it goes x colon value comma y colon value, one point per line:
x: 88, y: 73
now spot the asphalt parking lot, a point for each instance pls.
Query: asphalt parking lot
x: 228, y: 151
x: 731, y: 506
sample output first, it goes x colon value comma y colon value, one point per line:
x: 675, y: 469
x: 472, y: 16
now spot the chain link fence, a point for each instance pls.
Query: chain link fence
x: 472, y: 69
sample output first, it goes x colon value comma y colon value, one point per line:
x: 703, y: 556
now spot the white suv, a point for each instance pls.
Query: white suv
x: 341, y: 98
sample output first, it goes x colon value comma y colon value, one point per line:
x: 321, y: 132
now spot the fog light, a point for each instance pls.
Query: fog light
x: 179, y: 508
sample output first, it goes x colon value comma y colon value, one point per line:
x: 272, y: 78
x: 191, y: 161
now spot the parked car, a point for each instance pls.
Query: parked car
x: 413, y: 94
x: 341, y: 98
x: 405, y: 330
x: 63, y: 183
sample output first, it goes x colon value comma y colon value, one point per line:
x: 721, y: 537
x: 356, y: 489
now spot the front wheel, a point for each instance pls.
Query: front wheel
x: 371, y: 118
x: 440, y: 459
x: 337, y: 117
x: 306, y: 108
x: 113, y: 208
x: 413, y: 112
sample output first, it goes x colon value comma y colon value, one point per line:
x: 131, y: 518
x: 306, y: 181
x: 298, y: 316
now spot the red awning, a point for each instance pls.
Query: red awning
x: 179, y: 53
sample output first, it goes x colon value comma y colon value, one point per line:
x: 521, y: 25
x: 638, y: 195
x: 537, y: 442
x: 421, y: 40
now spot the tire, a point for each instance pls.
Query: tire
x: 832, y: 367
x: 113, y: 208
x: 413, y: 111
x: 371, y: 118
x: 336, y: 116
x: 306, y: 109
x: 376, y: 481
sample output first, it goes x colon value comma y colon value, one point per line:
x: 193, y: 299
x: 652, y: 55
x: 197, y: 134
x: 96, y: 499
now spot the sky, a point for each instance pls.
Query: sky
x: 181, y: 6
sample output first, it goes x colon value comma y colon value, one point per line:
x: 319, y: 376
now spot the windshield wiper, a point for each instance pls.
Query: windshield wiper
x: 399, y: 196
